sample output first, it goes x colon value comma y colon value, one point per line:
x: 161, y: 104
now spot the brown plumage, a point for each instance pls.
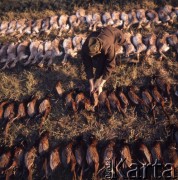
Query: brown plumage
x: 146, y: 153
x: 69, y: 101
x: 124, y: 100
x: 159, y: 99
x: 108, y: 156
x: 164, y: 86
x: 149, y: 102
x: 2, y: 104
x: 44, y: 110
x: 16, y: 162
x: 92, y: 156
x: 157, y: 152
x: 9, y: 114
x: 87, y: 104
x: 79, y: 152
x: 104, y: 101
x: 134, y: 97
x: 126, y: 157
x: 59, y: 89
x: 68, y: 158
x: 30, y: 156
x: 54, y: 160
x: 172, y: 157
x: 147, y: 98
x: 43, y: 146
x: 5, y: 160
x: 31, y: 107
x: 115, y: 103
x: 79, y: 99
x: 21, y: 110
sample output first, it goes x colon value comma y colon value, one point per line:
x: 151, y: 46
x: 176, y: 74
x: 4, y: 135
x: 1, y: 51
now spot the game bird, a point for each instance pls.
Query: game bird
x: 104, y: 101
x: 92, y: 156
x: 68, y: 158
x: 31, y: 107
x: 29, y: 159
x: 54, y: 159
x: 70, y: 102
x: 115, y: 103
x: 122, y: 97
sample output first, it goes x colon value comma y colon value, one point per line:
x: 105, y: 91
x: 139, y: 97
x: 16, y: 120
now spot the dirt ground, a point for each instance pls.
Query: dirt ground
x: 21, y: 82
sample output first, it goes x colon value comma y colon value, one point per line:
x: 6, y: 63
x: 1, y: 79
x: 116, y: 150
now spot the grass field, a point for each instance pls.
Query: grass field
x: 20, y: 83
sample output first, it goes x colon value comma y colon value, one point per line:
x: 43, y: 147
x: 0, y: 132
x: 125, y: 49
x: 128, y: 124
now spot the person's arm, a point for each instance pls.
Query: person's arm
x: 109, y: 63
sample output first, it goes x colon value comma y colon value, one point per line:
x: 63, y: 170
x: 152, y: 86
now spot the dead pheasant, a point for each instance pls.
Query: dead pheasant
x: 30, y: 156
x: 147, y: 158
x: 164, y: 86
x: 148, y: 101
x: 79, y: 99
x: 21, y: 112
x: 69, y: 101
x: 108, y: 156
x: 125, y: 160
x: 2, y: 104
x: 17, y: 161
x: 134, y: 97
x: 43, y: 146
x: 92, y: 156
x: 54, y: 160
x: 44, y: 110
x: 5, y: 159
x: 79, y: 152
x: 31, y: 107
x: 115, y: 103
x: 104, y: 101
x: 157, y: 152
x: 59, y: 89
x: 9, y: 114
x: 172, y: 158
x: 68, y: 158
x: 159, y: 99
x: 124, y: 100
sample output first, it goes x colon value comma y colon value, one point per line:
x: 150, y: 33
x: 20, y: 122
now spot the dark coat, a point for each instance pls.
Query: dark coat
x: 105, y: 61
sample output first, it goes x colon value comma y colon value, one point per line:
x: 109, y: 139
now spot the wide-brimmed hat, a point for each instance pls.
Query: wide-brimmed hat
x: 94, y: 46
